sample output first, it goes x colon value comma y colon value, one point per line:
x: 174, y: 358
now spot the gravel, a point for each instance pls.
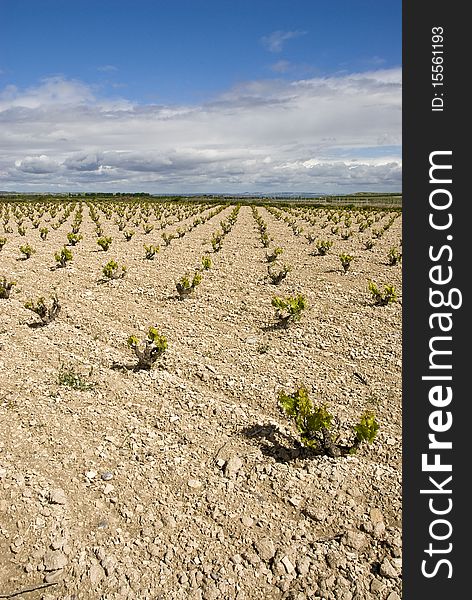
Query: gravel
x: 187, y: 481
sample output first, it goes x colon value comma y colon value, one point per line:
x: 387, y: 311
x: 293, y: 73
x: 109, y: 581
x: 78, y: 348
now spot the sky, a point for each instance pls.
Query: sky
x: 200, y: 96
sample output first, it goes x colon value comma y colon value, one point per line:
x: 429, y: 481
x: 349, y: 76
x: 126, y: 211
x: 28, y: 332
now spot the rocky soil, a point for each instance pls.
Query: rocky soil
x: 187, y: 481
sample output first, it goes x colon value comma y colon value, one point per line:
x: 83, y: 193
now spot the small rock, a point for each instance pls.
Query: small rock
x: 54, y: 576
x: 57, y: 496
x: 303, y: 565
x: 397, y: 564
x: 106, y: 476
x: 3, y: 472
x: 232, y: 466
x: 376, y: 586
x: 376, y: 516
x: 58, y: 543
x: 169, y: 521
x: 320, y: 513
x: 195, y: 484
x: 108, y: 489
x: 221, y: 462
x: 395, y: 546
x: 236, y: 559
x: 109, y: 564
x: 247, y: 521
x: 54, y: 560
x: 265, y: 547
x: 278, y: 568
x: 393, y: 596
x: 91, y: 474
x: 16, y: 544
x: 333, y: 559
x: 354, y: 540
x: 377, y: 523
x: 252, y: 558
x: 96, y: 574
x: 287, y: 564
x: 388, y: 570
x: 183, y: 578
x: 354, y: 491
x: 379, y: 529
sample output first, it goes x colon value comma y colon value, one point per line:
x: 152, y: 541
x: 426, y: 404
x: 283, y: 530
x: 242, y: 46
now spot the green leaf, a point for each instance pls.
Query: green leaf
x: 367, y: 428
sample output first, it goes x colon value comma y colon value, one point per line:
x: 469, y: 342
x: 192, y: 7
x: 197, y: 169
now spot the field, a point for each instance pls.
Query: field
x: 187, y: 480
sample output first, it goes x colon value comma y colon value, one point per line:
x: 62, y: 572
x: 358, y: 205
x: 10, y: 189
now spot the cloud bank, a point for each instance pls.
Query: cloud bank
x: 332, y: 134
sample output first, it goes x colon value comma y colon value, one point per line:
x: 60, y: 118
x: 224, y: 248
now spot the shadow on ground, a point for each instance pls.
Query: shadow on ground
x: 277, y: 444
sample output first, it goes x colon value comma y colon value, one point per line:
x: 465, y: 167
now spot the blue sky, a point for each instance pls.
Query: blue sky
x: 159, y: 68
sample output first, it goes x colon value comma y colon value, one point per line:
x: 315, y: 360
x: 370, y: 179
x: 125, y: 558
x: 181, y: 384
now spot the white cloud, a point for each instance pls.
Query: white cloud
x: 83, y: 162
x: 276, y: 40
x: 316, y: 134
x: 52, y: 91
x: 38, y: 165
